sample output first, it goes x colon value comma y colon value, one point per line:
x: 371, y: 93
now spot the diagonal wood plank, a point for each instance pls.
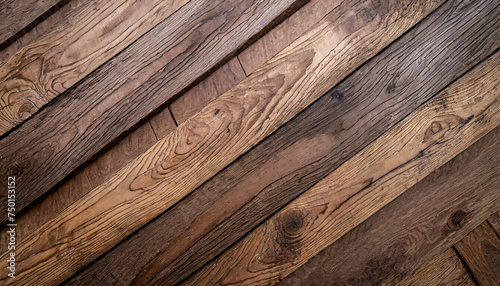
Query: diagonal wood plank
x: 425, y: 140
x: 120, y: 94
x: 245, y: 193
x: 209, y: 141
x: 418, y: 225
x: 480, y: 249
x: 16, y: 15
x: 494, y: 221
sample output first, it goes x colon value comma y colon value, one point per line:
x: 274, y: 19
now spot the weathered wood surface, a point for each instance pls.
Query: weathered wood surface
x: 480, y: 249
x: 209, y: 141
x: 426, y: 139
x: 116, y: 97
x: 16, y: 15
x: 418, y: 225
x: 88, y: 37
x: 445, y: 269
x: 244, y: 194
x: 494, y: 221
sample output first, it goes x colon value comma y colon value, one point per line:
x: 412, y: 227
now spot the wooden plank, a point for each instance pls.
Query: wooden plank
x: 245, y: 193
x: 494, y: 220
x: 284, y: 34
x: 90, y: 36
x: 119, y: 95
x: 425, y: 140
x: 209, y: 141
x: 418, y: 225
x: 209, y: 89
x: 16, y: 15
x: 480, y: 249
x: 445, y: 269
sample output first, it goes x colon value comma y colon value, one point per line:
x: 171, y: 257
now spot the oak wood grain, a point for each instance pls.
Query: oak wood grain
x: 401, y: 157
x: 124, y: 92
x: 89, y: 36
x: 427, y: 219
x: 206, y: 143
x: 445, y: 269
x: 245, y: 193
x: 480, y: 249
x: 494, y: 221
x: 16, y: 15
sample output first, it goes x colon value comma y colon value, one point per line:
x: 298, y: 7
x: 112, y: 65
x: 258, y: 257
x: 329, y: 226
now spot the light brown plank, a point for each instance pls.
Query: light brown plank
x: 480, y: 250
x: 88, y: 37
x: 209, y: 141
x: 15, y: 15
x: 425, y: 140
x: 414, y: 228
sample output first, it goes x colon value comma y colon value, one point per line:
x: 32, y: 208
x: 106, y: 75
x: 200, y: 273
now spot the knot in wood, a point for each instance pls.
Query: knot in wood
x: 292, y: 222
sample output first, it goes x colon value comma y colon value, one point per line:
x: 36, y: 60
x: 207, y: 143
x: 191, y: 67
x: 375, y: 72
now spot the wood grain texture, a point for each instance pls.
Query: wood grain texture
x: 206, y: 143
x: 245, y: 193
x: 494, y: 221
x: 16, y: 15
x: 209, y: 89
x: 480, y: 249
x: 424, y: 221
x: 93, y: 34
x: 445, y: 269
x: 401, y: 157
x: 120, y: 94
x: 284, y: 34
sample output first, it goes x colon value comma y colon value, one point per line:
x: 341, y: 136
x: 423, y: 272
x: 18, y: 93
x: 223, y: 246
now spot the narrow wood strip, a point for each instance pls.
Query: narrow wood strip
x: 418, y: 225
x: 425, y: 140
x: 494, y: 220
x: 120, y: 94
x: 481, y: 247
x: 445, y: 269
x: 209, y: 141
x: 245, y: 193
x: 90, y: 36
x: 16, y: 15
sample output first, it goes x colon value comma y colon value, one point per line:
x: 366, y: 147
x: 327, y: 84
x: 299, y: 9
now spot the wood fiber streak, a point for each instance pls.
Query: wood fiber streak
x: 90, y: 36
x: 245, y: 193
x: 480, y: 249
x: 206, y: 143
x: 414, y: 228
x: 494, y: 221
x: 444, y: 269
x: 15, y: 15
x: 116, y: 97
x: 429, y: 137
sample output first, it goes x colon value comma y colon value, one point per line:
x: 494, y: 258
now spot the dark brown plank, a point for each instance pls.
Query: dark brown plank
x: 224, y: 209
x: 480, y: 249
x: 424, y: 221
x: 16, y: 15
x: 444, y: 269
x: 118, y: 95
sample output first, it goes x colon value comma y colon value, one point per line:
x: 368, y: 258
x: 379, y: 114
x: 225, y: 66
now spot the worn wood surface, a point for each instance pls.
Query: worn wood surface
x: 221, y: 132
x: 41, y: 71
x: 426, y: 139
x: 480, y: 249
x: 115, y: 98
x: 246, y: 193
x: 424, y: 221
x: 16, y: 15
x: 444, y: 269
